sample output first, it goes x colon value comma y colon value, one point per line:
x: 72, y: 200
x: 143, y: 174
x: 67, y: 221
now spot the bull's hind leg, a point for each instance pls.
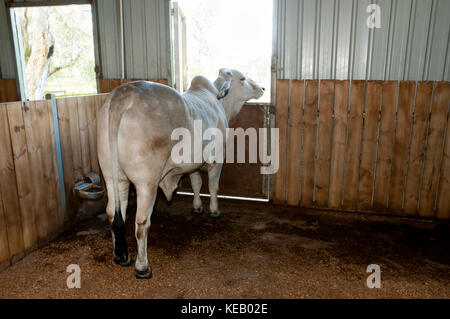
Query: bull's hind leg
x: 146, y: 196
x: 117, y: 218
x: 196, y: 183
x: 213, y: 185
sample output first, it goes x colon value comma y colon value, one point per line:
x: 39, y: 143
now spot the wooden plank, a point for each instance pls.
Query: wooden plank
x: 400, y: 156
x: 104, y: 85
x: 324, y: 142
x: 4, y: 245
x: 8, y: 90
x: 385, y: 145
x: 23, y: 173
x: 64, y: 105
x: 369, y: 144
x: 434, y: 149
x: 354, y: 144
x: 8, y: 188
x: 443, y: 202
x: 115, y: 83
x: 43, y: 108
x: 281, y: 122
x: 11, y: 90
x: 84, y: 102
x: 75, y: 140
x: 309, y: 141
x: 295, y: 142
x: 92, y: 133
x: 417, y: 148
x: 34, y: 145
x: 339, y: 143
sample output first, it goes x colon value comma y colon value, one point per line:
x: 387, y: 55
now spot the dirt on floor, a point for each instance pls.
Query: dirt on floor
x: 254, y: 251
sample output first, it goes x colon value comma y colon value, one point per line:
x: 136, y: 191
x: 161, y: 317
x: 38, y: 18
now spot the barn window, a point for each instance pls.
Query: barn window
x: 55, y: 50
x: 214, y: 33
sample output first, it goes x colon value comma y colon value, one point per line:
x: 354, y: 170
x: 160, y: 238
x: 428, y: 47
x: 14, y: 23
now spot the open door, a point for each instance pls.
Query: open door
x: 198, y: 50
x: 179, y: 48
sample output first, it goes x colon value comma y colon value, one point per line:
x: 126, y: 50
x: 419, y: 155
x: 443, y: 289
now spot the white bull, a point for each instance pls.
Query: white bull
x: 134, y: 145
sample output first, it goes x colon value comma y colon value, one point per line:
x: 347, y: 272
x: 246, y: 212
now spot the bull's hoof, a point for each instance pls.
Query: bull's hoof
x: 216, y: 214
x: 143, y: 274
x: 123, y: 262
x: 197, y: 211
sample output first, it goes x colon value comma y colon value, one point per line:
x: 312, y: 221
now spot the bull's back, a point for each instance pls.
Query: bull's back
x: 148, y: 113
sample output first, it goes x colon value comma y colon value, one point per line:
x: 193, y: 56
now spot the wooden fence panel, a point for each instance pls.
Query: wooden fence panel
x: 23, y: 173
x: 324, y: 142
x: 385, y: 145
x: 339, y: 143
x: 369, y: 145
x: 400, y: 156
x: 8, y: 189
x: 443, y: 201
x: 434, y: 149
x: 309, y: 141
x: 354, y: 144
x: 417, y: 148
x: 34, y: 143
x: 84, y: 103
x: 4, y: 245
x: 295, y: 142
x: 281, y: 122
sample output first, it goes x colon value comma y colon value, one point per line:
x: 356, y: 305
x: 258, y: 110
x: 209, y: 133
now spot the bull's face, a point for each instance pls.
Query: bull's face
x: 238, y: 86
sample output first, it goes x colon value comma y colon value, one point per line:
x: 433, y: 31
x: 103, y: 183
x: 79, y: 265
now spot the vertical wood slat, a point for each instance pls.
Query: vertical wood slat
x: 309, y: 141
x: 294, y: 148
x: 8, y: 190
x: 354, y: 144
x: 385, y: 145
x: 434, y: 149
x: 23, y: 175
x: 339, y: 143
x: 281, y: 122
x: 324, y: 142
x: 443, y: 201
x: 49, y: 164
x: 402, y: 132
x: 417, y: 148
x: 369, y: 145
x: 83, y: 104
x: 5, y: 254
x: 34, y: 145
x: 8, y: 90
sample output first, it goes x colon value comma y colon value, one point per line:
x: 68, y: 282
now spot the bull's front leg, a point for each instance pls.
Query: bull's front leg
x: 213, y: 183
x: 196, y: 183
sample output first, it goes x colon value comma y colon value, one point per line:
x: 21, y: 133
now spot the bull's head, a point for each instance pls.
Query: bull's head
x: 238, y: 85
x: 236, y: 89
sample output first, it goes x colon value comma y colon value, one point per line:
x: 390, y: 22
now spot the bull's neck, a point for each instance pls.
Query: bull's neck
x: 231, y: 107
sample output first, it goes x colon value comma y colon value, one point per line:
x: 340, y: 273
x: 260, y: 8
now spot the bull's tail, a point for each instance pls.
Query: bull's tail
x: 116, y: 111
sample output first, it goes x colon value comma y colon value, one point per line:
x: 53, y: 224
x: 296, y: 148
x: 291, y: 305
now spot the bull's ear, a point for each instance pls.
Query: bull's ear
x: 227, y: 74
x: 224, y: 89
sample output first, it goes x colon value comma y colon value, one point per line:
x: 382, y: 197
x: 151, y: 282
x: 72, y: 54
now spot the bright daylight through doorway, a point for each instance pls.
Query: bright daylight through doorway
x: 234, y: 34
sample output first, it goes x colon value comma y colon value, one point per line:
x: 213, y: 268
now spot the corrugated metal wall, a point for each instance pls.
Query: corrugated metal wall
x: 146, y: 30
x: 329, y: 39
x: 147, y: 38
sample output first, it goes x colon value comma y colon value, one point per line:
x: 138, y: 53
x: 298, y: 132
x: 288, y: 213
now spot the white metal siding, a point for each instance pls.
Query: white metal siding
x: 329, y: 39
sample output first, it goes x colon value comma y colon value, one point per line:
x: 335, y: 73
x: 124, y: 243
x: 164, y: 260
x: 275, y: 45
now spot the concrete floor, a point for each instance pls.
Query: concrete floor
x: 254, y: 251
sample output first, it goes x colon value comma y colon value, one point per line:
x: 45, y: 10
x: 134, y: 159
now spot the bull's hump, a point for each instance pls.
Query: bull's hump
x: 200, y: 82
